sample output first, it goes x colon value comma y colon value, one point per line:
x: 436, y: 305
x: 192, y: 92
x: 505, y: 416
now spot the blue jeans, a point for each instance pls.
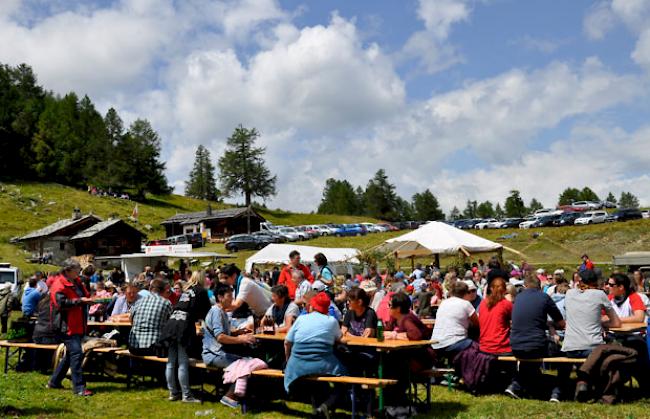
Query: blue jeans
x: 178, y: 354
x: 73, y: 358
x: 221, y: 360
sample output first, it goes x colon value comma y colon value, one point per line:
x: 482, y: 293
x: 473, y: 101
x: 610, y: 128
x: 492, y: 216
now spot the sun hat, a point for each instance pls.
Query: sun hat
x: 368, y: 286
x: 320, y: 302
x: 318, y: 286
x: 471, y: 286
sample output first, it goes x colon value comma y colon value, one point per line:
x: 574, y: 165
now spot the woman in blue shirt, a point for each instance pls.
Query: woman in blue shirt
x: 309, y: 347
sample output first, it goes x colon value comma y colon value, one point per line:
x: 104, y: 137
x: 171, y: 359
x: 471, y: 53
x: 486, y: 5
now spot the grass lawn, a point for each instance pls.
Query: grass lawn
x: 24, y: 395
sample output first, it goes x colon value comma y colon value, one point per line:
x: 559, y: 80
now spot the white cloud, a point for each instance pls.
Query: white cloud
x: 546, y: 46
x: 590, y: 157
x: 599, y: 20
x: 430, y: 45
x: 635, y: 14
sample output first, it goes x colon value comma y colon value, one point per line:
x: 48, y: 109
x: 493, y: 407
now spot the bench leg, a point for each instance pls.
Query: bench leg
x: 6, y: 359
x: 129, y: 374
x: 354, y: 401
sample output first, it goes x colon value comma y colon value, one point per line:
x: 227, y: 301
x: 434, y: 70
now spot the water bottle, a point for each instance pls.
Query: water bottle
x: 380, y: 331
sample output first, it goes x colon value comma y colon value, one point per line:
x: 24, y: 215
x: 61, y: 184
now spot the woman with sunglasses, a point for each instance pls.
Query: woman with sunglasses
x: 627, y: 303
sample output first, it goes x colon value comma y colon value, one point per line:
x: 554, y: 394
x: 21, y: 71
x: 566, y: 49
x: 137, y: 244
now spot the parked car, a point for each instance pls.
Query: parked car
x: 645, y: 213
x: 567, y: 219
x: 510, y: 223
x: 179, y: 239
x: 545, y: 221
x: 528, y: 222
x: 583, y: 206
x: 607, y: 204
x: 269, y: 236
x: 245, y: 241
x: 160, y: 242
x: 291, y: 234
x: 544, y: 211
x: 591, y: 217
x: 351, y: 230
x: 625, y: 214
x: 483, y: 224
x: 389, y: 227
x: 308, y: 230
x: 327, y: 230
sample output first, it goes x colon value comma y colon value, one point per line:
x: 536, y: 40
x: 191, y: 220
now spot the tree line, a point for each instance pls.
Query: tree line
x: 64, y: 139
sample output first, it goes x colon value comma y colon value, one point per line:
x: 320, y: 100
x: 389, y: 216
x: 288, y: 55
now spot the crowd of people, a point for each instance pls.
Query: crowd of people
x: 481, y: 311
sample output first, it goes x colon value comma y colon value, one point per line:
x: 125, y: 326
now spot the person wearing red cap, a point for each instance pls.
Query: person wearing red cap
x: 309, y: 349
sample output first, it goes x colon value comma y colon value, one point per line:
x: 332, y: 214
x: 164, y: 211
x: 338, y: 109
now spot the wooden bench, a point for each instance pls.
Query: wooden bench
x: 556, y: 360
x: 194, y: 363
x: 425, y: 376
x: 363, y: 382
x: 13, y: 348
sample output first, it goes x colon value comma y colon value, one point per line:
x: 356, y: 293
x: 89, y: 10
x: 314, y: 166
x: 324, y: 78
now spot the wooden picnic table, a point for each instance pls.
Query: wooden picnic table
x: 128, y: 324
x: 386, y: 346
x: 629, y: 328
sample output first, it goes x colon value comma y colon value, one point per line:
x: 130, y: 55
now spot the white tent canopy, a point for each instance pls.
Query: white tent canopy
x: 279, y: 253
x: 438, y: 238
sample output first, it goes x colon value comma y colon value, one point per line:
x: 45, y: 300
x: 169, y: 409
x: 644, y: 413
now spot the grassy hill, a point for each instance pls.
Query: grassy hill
x: 28, y: 206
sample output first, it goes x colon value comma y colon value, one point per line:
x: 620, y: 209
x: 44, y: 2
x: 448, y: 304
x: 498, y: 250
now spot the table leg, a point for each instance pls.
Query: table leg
x: 6, y: 359
x: 380, y: 374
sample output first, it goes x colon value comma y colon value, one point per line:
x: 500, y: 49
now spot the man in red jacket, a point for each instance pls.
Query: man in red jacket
x: 285, y: 274
x: 68, y: 300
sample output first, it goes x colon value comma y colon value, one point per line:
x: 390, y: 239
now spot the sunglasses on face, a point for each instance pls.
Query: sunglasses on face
x: 611, y: 284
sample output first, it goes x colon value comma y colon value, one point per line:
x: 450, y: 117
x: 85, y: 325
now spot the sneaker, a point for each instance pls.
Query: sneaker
x: 174, y: 397
x: 582, y: 392
x: 84, y: 393
x: 323, y: 411
x: 191, y: 399
x: 227, y: 401
x: 555, y: 398
x: 53, y: 386
x: 512, y: 392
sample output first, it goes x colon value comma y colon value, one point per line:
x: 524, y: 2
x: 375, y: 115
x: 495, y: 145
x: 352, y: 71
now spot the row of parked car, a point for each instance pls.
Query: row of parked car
x: 270, y: 233
x: 555, y: 218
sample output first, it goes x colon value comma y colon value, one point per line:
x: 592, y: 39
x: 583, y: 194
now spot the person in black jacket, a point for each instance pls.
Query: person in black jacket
x: 193, y: 305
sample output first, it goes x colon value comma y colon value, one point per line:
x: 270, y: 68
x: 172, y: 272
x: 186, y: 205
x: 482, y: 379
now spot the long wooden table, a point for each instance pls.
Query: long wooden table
x: 629, y: 328
x: 383, y: 347
x: 127, y: 324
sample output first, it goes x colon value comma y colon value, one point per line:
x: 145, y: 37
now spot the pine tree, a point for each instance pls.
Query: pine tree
x: 426, y: 207
x: 470, y: 209
x: 485, y: 210
x: 586, y: 194
x: 338, y: 198
x: 380, y: 198
x: 455, y: 214
x: 202, y: 184
x: 611, y: 198
x: 498, y: 212
x: 515, y: 206
x: 147, y: 174
x: 535, y: 205
x: 569, y: 196
x: 242, y: 167
x: 628, y: 200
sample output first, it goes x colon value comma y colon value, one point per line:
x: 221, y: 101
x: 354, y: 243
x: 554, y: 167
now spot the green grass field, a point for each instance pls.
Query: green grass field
x: 24, y: 395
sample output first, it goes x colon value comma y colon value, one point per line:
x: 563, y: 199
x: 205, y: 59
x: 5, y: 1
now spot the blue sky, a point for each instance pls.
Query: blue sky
x: 469, y: 98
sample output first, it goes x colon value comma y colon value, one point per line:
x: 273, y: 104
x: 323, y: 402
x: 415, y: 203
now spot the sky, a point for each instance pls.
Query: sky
x: 469, y: 98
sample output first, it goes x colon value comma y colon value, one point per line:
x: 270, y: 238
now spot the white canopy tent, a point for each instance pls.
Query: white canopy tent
x: 437, y: 238
x: 279, y: 254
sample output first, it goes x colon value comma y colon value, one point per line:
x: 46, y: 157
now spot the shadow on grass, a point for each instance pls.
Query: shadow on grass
x: 441, y: 409
x: 10, y: 411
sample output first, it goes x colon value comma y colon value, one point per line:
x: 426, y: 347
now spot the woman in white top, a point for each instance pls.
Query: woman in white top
x: 454, y: 317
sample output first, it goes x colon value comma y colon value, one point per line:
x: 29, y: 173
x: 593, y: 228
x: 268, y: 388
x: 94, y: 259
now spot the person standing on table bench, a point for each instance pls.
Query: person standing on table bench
x: 584, y: 324
x: 219, y: 342
x: 528, y: 339
x: 148, y: 316
x: 68, y: 298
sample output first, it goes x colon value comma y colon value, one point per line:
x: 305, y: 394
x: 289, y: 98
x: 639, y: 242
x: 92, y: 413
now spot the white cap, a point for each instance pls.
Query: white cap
x: 318, y: 286
x: 541, y: 271
x: 470, y: 284
x: 559, y: 272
